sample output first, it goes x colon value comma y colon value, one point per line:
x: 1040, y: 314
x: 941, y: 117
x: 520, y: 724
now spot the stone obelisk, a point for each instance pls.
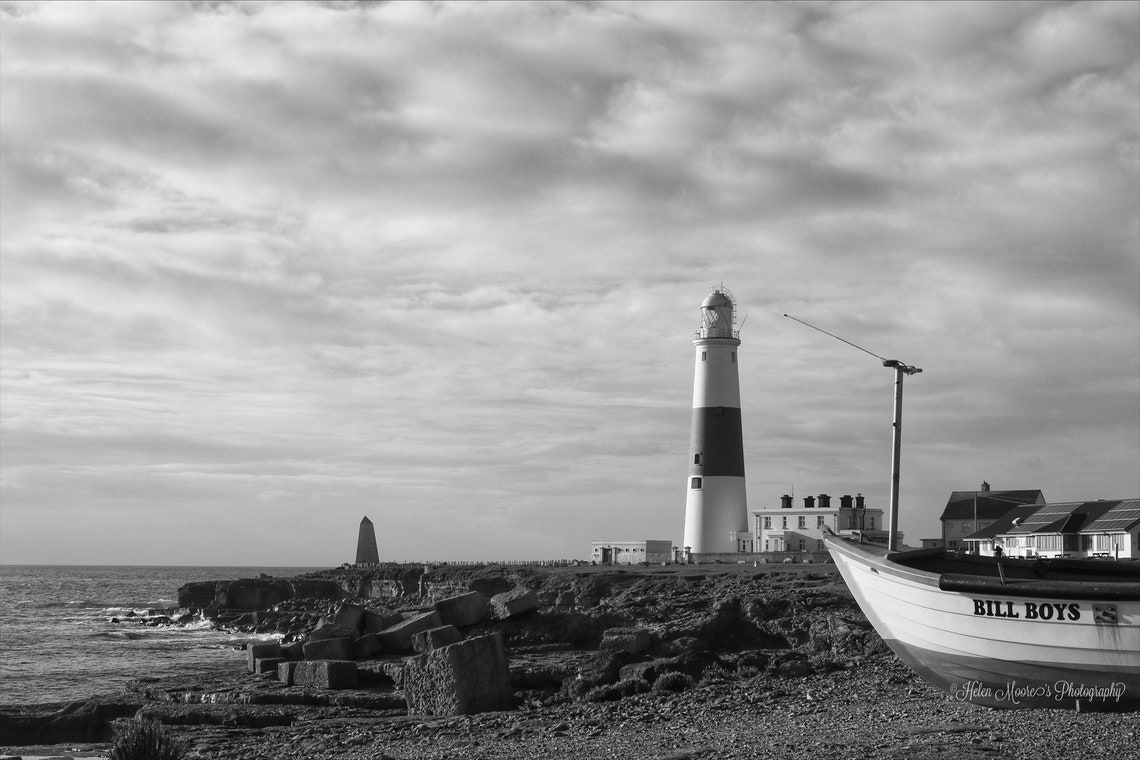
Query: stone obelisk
x: 366, y: 552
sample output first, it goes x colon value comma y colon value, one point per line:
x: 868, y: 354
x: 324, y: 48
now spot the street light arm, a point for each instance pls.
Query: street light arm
x: 896, y: 364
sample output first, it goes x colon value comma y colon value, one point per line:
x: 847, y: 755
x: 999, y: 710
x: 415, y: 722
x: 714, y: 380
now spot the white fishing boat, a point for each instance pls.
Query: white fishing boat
x: 1004, y: 632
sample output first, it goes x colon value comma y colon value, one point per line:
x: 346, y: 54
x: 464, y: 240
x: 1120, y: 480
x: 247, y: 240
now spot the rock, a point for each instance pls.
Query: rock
x: 255, y: 652
x: 197, y: 595
x: 329, y: 649
x: 627, y: 640
x: 461, y: 679
x: 254, y: 593
x: 514, y: 602
x: 325, y: 674
x: 462, y: 610
x: 398, y: 638
x: 434, y: 638
x: 82, y: 721
x: 692, y: 664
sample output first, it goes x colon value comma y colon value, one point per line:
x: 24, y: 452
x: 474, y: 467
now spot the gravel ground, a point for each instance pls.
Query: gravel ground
x: 879, y: 710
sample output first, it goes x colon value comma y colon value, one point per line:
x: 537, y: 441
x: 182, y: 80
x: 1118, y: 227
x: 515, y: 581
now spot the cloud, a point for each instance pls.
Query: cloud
x: 439, y: 263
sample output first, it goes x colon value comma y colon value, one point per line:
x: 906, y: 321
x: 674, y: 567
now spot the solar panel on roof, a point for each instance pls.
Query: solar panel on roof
x: 1120, y: 517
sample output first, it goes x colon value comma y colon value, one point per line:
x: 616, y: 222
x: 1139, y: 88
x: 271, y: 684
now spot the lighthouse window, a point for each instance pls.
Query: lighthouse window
x: 704, y: 356
x: 696, y: 458
x: 734, y: 356
x: 696, y: 483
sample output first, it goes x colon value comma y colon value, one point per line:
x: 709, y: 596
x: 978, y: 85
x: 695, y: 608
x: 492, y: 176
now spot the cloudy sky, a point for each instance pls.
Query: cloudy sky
x: 268, y: 268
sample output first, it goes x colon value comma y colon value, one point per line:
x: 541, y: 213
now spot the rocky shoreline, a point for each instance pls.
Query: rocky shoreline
x: 716, y: 661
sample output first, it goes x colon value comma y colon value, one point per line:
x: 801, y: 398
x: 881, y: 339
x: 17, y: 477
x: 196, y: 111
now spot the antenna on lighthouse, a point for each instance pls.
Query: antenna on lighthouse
x: 900, y: 369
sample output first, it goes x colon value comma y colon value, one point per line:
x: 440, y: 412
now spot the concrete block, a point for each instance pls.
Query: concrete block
x: 463, y: 610
x: 376, y: 621
x: 329, y: 649
x: 398, y: 638
x: 327, y: 630
x: 285, y: 671
x: 374, y: 673
x: 294, y: 651
x: 254, y: 652
x: 349, y: 616
x: 325, y: 674
x: 264, y: 666
x: 514, y: 602
x: 366, y: 646
x: 434, y: 638
x: 461, y: 679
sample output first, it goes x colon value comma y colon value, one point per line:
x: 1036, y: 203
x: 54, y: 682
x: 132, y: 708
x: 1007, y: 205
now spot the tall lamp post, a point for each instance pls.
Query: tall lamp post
x: 893, y: 517
x: 901, y: 370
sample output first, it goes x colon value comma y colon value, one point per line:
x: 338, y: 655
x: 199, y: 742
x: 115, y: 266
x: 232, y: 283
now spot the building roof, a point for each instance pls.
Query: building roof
x: 990, y: 504
x: 1080, y: 517
x: 1123, y: 516
x: 1003, y: 523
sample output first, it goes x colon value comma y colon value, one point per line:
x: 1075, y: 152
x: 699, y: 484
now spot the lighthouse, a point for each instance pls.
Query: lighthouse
x: 715, y: 507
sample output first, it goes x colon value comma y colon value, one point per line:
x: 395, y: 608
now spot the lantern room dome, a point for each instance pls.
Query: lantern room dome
x: 716, y: 299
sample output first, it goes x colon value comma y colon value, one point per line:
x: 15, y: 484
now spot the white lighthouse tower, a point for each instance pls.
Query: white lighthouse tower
x: 716, y: 509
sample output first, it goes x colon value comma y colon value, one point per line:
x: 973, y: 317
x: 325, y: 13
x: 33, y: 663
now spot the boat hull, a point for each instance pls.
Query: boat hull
x: 1011, y: 650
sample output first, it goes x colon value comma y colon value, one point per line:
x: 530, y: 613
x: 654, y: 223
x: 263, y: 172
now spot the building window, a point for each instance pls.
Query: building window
x: 803, y: 522
x: 819, y: 546
x: 696, y: 485
x: 872, y: 523
x: 767, y: 523
x: 949, y: 525
x: 783, y: 522
x: 820, y: 520
x: 765, y: 544
x: 803, y: 545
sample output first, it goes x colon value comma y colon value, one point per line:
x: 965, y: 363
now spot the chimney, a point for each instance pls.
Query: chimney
x: 859, y: 503
x: 824, y: 501
x: 785, y: 502
x: 845, y: 501
x: 985, y: 486
x: 809, y: 501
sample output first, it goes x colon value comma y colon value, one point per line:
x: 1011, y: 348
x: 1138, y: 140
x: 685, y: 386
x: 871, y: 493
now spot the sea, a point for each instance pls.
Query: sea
x: 69, y: 632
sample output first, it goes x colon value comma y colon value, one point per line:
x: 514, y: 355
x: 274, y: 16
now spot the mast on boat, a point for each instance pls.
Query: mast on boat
x: 901, y: 369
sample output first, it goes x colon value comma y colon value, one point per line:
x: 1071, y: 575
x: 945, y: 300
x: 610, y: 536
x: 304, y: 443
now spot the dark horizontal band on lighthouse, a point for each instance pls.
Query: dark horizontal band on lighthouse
x: 717, y: 438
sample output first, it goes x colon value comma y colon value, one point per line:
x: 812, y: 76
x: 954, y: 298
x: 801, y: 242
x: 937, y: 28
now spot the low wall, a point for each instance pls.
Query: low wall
x: 763, y: 558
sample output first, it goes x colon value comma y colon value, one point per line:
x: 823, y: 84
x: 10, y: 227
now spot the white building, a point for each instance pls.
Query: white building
x: 789, y: 528
x: 1076, y: 529
x: 632, y: 552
